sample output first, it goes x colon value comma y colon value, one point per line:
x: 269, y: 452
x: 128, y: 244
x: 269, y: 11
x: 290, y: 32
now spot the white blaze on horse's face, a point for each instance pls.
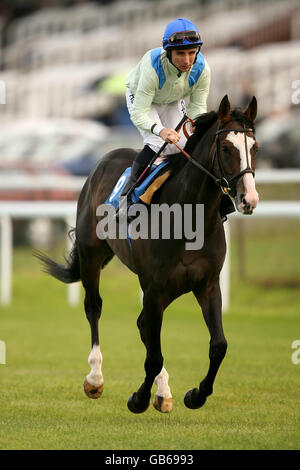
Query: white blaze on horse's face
x: 247, y: 202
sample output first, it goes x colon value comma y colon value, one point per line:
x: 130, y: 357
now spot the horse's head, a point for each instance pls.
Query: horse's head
x: 236, y: 147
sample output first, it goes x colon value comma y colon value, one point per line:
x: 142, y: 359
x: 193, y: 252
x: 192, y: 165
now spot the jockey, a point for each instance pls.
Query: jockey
x: 167, y: 83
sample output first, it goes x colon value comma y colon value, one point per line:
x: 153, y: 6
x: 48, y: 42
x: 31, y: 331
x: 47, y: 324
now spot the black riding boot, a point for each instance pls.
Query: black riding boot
x: 138, y: 166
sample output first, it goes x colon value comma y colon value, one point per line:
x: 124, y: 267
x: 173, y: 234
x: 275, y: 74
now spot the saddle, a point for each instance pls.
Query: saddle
x: 156, y: 177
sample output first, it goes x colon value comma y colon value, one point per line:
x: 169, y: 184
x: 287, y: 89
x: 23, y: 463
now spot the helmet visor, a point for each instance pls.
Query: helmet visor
x: 179, y: 37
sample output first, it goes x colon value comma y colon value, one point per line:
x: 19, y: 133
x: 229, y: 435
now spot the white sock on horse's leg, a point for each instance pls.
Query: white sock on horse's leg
x: 161, y: 380
x: 93, y: 384
x: 163, y: 398
x: 95, y: 377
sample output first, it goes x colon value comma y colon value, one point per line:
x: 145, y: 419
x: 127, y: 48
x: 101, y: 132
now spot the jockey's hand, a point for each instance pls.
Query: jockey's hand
x: 169, y: 135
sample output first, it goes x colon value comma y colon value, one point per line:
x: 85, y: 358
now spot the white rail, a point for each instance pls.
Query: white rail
x: 266, y: 209
x: 75, y: 183
x: 29, y: 209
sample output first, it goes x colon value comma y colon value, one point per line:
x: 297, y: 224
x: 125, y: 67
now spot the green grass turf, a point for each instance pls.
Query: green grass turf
x: 255, y: 404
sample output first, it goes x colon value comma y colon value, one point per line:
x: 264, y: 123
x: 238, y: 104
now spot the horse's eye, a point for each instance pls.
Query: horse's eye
x: 225, y: 148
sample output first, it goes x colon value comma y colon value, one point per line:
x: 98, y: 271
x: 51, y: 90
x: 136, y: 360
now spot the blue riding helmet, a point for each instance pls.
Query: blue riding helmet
x: 181, y: 26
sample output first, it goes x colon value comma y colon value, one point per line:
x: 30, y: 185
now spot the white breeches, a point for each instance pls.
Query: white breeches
x: 167, y: 115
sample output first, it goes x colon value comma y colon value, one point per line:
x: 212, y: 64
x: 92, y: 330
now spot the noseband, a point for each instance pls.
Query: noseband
x: 227, y: 186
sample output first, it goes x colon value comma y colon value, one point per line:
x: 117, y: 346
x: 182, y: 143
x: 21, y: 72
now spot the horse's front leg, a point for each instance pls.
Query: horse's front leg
x: 149, y: 324
x: 211, y: 302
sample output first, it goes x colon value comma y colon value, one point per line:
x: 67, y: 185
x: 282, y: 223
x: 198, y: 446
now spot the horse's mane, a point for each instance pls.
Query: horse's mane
x: 202, y: 124
x: 238, y: 115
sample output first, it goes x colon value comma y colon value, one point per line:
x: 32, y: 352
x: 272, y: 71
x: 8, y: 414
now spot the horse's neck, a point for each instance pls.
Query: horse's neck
x: 194, y: 186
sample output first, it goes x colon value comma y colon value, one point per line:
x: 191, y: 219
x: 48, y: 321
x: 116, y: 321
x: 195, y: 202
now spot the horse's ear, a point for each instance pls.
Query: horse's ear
x: 224, y: 109
x: 251, y: 111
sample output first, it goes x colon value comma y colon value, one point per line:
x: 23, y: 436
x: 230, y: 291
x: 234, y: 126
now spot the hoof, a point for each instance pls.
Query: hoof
x: 164, y: 405
x: 192, y: 399
x: 92, y: 391
x: 133, y: 405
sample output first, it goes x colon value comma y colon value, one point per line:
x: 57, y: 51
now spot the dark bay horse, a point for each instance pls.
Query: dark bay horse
x: 223, y: 144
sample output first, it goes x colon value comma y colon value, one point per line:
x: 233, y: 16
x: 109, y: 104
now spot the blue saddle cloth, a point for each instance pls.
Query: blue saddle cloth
x: 113, y: 199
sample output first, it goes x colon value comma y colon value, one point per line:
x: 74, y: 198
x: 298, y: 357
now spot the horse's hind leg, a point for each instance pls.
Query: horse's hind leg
x: 90, y: 266
x: 210, y: 300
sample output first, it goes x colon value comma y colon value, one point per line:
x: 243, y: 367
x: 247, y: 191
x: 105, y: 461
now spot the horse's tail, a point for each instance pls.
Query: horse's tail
x: 69, y: 272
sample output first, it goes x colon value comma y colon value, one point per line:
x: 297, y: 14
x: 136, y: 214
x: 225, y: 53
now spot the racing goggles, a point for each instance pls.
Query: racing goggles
x: 179, y: 37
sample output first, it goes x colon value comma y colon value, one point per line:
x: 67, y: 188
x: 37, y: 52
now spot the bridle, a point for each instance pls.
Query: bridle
x: 231, y: 184
x: 227, y: 186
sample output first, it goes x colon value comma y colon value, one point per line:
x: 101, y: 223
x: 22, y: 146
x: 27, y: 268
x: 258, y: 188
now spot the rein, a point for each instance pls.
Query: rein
x: 222, y: 182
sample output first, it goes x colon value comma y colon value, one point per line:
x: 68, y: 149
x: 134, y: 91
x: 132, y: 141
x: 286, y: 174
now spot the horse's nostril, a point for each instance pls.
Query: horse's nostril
x: 247, y: 205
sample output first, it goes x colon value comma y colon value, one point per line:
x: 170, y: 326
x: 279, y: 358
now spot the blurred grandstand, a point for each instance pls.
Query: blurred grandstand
x: 63, y: 66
